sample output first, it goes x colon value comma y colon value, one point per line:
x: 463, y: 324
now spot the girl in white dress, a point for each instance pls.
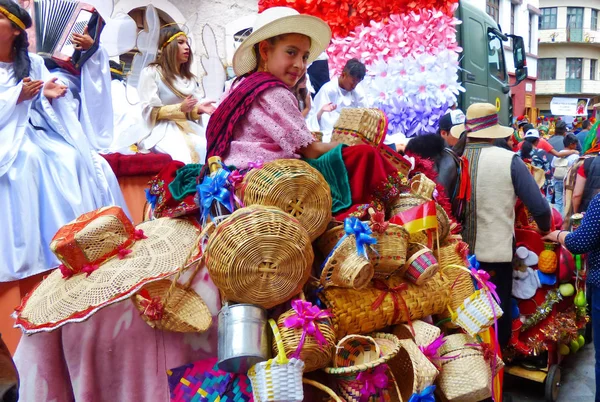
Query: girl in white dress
x: 171, y: 105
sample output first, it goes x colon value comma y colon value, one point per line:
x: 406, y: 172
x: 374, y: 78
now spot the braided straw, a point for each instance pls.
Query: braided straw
x: 353, y: 311
x: 407, y: 201
x: 390, y: 249
x: 415, y: 370
x: 467, y: 376
x: 293, y: 186
x: 259, y: 255
x: 323, y: 388
x: 357, y: 126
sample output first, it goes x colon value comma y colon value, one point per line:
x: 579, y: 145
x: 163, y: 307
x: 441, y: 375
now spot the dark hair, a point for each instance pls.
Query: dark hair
x: 526, y: 127
x: 21, y: 61
x: 300, y: 93
x: 569, y: 140
x: 459, y: 147
x: 532, y: 140
x: 526, y: 149
x: 502, y: 143
x: 586, y: 124
x: 170, y: 67
x: 355, y: 69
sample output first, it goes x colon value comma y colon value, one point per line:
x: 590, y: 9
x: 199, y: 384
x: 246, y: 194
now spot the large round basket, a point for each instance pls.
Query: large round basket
x: 407, y: 201
x: 293, y: 186
x: 259, y: 255
x: 413, y: 369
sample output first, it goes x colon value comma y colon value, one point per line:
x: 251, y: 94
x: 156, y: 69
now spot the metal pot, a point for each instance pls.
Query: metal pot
x: 243, y: 337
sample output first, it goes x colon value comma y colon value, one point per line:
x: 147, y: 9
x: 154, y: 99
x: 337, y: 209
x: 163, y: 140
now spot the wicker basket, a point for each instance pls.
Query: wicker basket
x: 476, y: 314
x: 331, y: 396
x: 356, y: 354
x: 461, y: 282
x: 408, y: 201
x: 467, y: 376
x: 278, y: 379
x: 421, y: 264
x: 357, y: 126
x: 414, y: 370
x: 390, y: 249
x: 314, y: 355
x: 371, y: 309
x: 259, y: 255
x: 423, y: 186
x: 422, y: 333
x: 395, y: 159
x: 293, y: 186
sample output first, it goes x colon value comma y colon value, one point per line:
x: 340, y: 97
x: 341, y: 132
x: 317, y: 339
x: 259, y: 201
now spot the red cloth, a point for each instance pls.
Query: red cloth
x: 138, y: 164
x: 543, y: 145
x: 581, y: 172
x: 166, y: 205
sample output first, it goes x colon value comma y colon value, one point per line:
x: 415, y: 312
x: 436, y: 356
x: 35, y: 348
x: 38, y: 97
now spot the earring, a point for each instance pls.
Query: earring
x: 265, y: 68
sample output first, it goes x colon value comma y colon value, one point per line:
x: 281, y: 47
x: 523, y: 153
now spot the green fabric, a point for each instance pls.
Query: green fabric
x: 184, y: 183
x: 590, y: 138
x: 331, y: 165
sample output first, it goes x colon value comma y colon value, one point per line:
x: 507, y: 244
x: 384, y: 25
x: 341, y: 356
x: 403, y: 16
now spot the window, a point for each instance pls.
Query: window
x: 575, y: 17
x: 594, y: 26
x: 574, y: 68
x: 512, y: 18
x: 593, y: 69
x: 496, y: 58
x: 548, y: 18
x: 493, y: 9
x: 547, y: 69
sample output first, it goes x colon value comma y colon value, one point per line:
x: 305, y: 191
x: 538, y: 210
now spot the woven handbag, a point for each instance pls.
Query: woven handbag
x: 357, y: 126
x: 423, y: 186
x: 477, y: 312
x: 293, y: 186
x: 421, y: 264
x: 413, y: 368
x: 418, y: 331
x: 461, y: 283
x: 278, y: 379
x: 259, y: 255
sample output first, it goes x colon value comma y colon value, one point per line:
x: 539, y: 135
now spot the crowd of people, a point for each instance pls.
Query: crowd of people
x: 51, y: 172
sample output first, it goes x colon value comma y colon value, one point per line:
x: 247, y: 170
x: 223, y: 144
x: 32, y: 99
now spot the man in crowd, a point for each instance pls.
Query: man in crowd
x: 585, y: 129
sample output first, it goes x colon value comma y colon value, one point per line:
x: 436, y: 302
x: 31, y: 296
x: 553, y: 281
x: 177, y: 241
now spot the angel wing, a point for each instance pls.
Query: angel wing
x: 147, y: 45
x: 213, y: 83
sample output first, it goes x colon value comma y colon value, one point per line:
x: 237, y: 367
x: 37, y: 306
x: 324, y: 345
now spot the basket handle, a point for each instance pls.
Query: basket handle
x: 323, y: 388
x: 281, y: 356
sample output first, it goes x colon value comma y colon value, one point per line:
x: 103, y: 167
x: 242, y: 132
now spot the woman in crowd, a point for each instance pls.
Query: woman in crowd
x: 171, y: 105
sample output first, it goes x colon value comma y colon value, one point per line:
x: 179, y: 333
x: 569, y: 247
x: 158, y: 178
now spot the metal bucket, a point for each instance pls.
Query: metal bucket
x: 243, y: 337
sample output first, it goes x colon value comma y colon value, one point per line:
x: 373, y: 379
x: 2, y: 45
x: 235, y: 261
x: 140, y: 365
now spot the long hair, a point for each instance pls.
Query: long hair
x: 301, y: 93
x: 167, y: 60
x: 21, y: 61
x: 526, y: 150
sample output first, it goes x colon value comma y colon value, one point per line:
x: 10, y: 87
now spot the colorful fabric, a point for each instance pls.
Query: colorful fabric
x: 331, y: 166
x: 220, y: 130
x: 591, y: 140
x: 416, y: 219
x: 185, y: 181
x: 160, y: 195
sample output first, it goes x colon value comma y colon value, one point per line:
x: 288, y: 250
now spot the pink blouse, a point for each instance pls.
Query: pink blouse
x: 274, y: 128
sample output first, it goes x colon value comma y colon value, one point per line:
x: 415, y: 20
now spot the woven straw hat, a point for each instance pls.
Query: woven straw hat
x: 277, y: 21
x: 482, y: 122
x: 105, y: 259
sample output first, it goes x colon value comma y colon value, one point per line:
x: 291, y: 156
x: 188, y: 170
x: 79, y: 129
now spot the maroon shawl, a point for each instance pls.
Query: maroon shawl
x: 219, y: 132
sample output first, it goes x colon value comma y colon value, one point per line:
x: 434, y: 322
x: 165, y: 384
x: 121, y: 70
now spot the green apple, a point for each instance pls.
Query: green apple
x: 574, y: 346
x: 566, y: 289
x: 581, y: 341
x: 563, y: 349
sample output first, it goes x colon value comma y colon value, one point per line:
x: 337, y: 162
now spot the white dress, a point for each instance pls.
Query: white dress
x: 49, y: 174
x: 185, y: 142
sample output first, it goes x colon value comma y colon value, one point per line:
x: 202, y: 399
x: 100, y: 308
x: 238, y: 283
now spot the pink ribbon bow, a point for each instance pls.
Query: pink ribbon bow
x: 256, y: 165
x: 89, y: 268
x: 123, y: 252
x: 484, y: 280
x: 305, y: 317
x: 153, y: 306
x: 138, y: 234
x: 378, y: 223
x: 65, y: 271
x: 235, y: 178
x: 372, y: 382
x: 431, y: 351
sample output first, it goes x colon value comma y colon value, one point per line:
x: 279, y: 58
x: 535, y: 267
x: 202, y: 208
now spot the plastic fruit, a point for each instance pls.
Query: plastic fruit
x: 580, y: 300
x: 563, y: 349
x: 574, y: 346
x: 566, y: 289
x: 548, y: 260
x: 581, y: 341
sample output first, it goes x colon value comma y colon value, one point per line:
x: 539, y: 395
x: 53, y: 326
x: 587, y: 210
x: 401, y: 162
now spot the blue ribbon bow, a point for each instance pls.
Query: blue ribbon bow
x: 361, y: 231
x: 472, y: 259
x: 214, y: 189
x: 425, y: 396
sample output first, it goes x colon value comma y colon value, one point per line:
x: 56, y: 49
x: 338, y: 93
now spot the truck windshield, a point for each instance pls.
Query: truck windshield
x: 496, y: 58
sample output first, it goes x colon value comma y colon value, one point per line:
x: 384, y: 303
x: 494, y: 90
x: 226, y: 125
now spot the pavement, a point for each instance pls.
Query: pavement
x: 577, y: 385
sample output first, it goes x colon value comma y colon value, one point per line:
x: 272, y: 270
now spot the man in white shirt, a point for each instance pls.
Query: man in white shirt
x: 338, y: 94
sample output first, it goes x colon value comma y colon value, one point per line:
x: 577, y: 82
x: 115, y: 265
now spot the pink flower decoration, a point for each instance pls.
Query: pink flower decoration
x: 123, y: 252
x: 88, y: 269
x: 138, y: 234
x: 65, y: 271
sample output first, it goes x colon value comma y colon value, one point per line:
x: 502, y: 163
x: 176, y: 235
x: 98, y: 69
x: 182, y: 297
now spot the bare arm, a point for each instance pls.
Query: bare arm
x: 316, y: 149
x: 578, y: 192
x: 564, y: 153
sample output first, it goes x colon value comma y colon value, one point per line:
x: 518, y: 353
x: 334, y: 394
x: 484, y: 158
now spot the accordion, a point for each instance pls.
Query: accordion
x: 55, y: 23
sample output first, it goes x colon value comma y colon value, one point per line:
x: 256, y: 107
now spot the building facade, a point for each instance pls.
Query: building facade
x: 569, y: 51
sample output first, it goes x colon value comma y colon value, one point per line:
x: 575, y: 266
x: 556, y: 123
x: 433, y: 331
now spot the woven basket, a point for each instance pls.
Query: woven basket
x: 312, y: 354
x: 357, y: 126
x: 421, y: 264
x: 395, y: 159
x: 293, y: 186
x: 422, y: 185
x: 278, y: 379
x: 407, y: 201
x: 390, y: 249
x: 424, y: 333
x: 461, y: 282
x: 476, y: 314
x: 356, y: 354
x: 259, y: 255
x: 414, y: 370
x: 353, y: 311
x: 468, y: 376
x: 331, y: 396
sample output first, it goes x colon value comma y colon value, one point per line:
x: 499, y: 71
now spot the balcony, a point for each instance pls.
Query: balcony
x: 571, y: 35
x: 567, y: 86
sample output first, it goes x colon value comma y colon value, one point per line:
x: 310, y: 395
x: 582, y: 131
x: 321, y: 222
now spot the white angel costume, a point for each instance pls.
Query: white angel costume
x: 49, y: 174
x: 168, y: 129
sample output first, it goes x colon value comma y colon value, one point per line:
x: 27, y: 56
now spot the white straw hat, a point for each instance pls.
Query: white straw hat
x: 482, y: 122
x: 280, y: 21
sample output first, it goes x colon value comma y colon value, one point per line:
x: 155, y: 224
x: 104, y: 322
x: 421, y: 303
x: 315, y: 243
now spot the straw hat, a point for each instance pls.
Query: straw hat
x: 482, y: 122
x: 280, y: 21
x: 105, y: 259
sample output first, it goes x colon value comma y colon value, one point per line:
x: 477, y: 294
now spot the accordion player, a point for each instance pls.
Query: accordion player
x: 55, y: 23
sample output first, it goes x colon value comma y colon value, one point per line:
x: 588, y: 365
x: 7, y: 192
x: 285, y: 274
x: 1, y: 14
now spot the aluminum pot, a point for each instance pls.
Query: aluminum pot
x: 243, y: 337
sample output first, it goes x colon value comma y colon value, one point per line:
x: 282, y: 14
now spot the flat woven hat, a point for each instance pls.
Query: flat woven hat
x: 105, y: 259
